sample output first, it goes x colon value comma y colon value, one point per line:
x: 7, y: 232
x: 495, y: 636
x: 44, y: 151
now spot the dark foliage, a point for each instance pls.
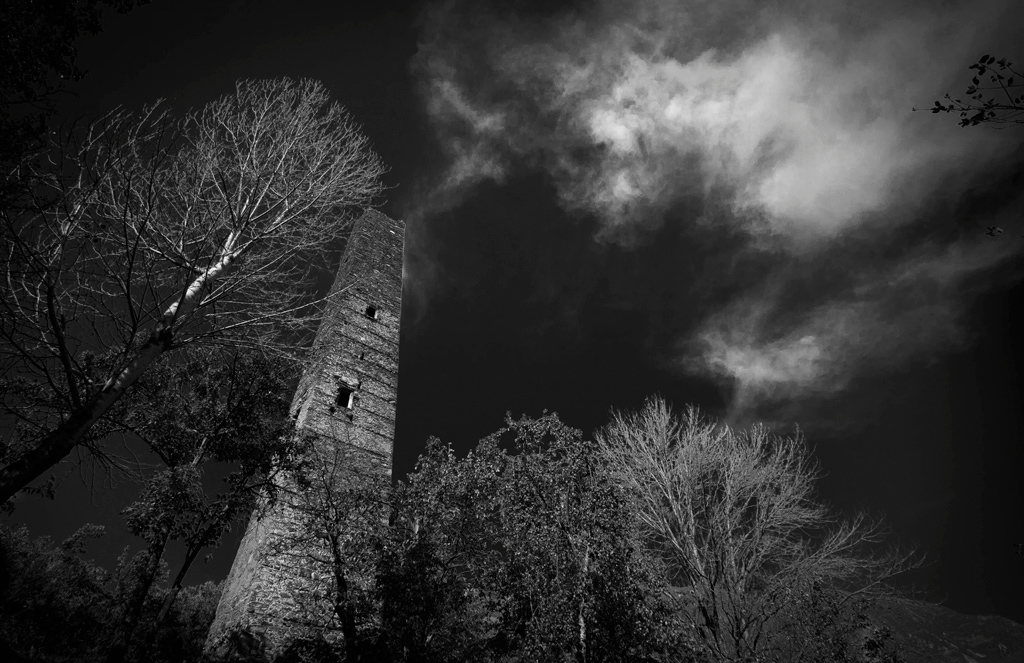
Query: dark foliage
x: 182, y: 633
x: 202, y: 409
x: 56, y: 606
x: 994, y: 103
x: 37, y: 59
x: 524, y: 550
x: 527, y: 554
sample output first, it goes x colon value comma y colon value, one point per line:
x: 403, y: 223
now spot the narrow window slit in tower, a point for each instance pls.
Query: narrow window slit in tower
x: 371, y: 312
x: 345, y: 394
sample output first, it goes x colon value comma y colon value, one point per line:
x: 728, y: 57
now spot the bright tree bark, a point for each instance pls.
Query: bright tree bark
x: 61, y: 442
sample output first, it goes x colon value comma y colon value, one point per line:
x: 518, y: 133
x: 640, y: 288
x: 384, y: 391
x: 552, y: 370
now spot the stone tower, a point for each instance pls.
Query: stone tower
x: 347, y: 398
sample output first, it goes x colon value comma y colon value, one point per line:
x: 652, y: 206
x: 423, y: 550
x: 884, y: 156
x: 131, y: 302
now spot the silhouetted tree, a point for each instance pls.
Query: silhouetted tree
x: 988, y: 104
x: 38, y: 57
x: 54, y: 605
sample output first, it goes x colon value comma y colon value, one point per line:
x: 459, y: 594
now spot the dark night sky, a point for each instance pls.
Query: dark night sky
x: 727, y: 204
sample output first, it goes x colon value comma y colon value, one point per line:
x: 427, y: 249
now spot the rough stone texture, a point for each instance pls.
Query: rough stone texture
x: 355, y: 350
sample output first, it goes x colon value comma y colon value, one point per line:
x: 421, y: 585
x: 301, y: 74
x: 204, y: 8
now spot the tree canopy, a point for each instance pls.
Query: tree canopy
x: 734, y: 518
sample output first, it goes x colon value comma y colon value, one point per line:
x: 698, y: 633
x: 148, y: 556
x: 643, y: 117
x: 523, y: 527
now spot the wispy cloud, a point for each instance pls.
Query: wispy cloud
x: 886, y: 316
x: 792, y: 121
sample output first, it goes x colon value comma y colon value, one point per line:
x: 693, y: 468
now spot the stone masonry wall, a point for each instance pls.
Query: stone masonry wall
x: 347, y: 397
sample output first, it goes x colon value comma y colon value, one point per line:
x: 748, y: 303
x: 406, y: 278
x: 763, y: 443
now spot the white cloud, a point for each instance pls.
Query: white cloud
x: 808, y: 132
x: 797, y: 118
x: 887, y: 316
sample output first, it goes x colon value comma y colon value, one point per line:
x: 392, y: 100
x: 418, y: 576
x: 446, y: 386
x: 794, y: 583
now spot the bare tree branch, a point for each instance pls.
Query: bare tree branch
x: 736, y: 521
x: 147, y: 233
x: 988, y: 104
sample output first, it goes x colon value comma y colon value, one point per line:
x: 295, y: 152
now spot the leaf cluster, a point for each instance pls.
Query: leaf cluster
x: 202, y: 408
x: 988, y: 104
x: 197, y: 411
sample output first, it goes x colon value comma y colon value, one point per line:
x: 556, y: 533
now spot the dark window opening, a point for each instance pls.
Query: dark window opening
x: 371, y: 312
x: 345, y: 396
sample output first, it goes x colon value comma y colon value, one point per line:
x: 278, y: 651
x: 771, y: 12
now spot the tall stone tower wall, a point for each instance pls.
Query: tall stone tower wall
x: 347, y: 398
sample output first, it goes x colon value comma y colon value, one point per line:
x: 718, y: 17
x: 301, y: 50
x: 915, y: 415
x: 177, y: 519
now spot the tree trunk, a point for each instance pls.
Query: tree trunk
x: 133, y: 609
x: 581, y: 650
x: 193, y: 550
x: 176, y: 586
x: 342, y: 603
x: 58, y: 444
x: 172, y: 594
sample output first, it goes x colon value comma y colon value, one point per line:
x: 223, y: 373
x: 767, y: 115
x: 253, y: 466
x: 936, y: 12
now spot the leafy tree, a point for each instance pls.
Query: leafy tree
x: 148, y: 233
x: 432, y: 607
x: 180, y: 636
x: 528, y: 555
x: 339, y: 503
x: 54, y: 605
x: 988, y: 104
x: 193, y: 413
x: 573, y: 579
x: 735, y: 519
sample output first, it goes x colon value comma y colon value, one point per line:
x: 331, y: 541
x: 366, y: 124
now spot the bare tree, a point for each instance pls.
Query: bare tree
x: 735, y: 518
x: 146, y: 233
